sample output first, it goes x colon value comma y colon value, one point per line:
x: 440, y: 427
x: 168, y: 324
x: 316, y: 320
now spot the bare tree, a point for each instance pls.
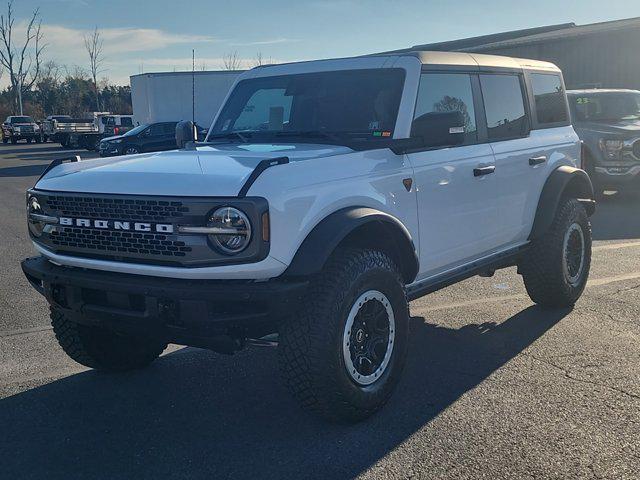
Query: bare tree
x: 259, y: 60
x: 21, y: 62
x: 93, y: 45
x: 232, y: 61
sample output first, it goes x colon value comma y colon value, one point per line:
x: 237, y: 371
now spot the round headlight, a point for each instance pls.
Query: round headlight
x: 33, y: 207
x: 233, y: 232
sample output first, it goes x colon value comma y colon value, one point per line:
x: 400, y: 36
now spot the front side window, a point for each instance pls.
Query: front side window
x: 347, y: 104
x: 549, y: 98
x: 442, y: 93
x: 504, y: 106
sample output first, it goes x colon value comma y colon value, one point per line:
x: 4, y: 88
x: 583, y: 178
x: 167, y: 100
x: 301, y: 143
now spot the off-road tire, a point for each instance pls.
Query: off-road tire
x: 542, y: 267
x: 311, y: 342
x: 101, y: 349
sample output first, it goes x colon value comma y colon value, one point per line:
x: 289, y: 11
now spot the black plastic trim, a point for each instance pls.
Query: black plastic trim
x: 553, y: 192
x: 261, y: 167
x: 318, y: 246
x: 490, y: 264
x: 56, y: 162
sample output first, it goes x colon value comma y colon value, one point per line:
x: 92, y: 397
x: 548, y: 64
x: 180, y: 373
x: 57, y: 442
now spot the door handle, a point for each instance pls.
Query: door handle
x: 480, y: 171
x: 537, y: 160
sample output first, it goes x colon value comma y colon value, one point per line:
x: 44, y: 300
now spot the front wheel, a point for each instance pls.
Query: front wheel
x: 102, y: 349
x: 556, y: 268
x: 130, y: 150
x: 342, y: 354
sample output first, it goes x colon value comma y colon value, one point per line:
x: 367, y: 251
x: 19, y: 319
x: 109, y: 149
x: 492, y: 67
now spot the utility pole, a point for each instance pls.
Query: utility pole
x: 193, y: 86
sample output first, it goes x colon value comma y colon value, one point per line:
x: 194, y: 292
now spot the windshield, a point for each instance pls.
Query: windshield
x: 605, y: 106
x: 338, y: 104
x: 136, y: 130
x: 21, y: 120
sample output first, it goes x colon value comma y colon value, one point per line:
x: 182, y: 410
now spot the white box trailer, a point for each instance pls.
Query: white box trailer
x: 168, y: 96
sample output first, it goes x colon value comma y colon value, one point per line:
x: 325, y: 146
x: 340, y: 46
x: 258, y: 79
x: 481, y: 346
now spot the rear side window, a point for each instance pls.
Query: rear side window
x: 549, y: 98
x: 504, y: 106
x: 441, y: 93
x: 126, y: 122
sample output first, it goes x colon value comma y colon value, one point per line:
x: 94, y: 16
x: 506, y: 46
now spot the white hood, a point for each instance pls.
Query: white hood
x: 219, y: 171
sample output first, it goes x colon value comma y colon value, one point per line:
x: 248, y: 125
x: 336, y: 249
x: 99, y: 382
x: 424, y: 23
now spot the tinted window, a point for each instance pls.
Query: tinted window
x: 126, y: 122
x: 440, y: 93
x: 169, y: 128
x: 504, y: 106
x: 354, y: 103
x: 156, y: 129
x: 21, y: 120
x: 549, y: 98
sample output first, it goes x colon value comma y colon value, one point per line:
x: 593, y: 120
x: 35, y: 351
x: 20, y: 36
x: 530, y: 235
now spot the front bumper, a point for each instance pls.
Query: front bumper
x: 109, y: 151
x: 616, y: 176
x: 201, y: 313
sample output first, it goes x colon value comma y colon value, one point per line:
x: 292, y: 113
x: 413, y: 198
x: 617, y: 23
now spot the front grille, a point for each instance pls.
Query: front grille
x: 122, y: 242
x: 27, y: 129
x: 126, y: 244
x: 117, y: 208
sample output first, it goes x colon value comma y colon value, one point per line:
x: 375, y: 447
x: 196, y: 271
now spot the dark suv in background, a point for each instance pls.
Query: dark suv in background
x: 143, y: 138
x: 608, y: 122
x: 20, y: 127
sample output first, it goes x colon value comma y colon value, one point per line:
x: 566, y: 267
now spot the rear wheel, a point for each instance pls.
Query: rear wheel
x: 556, y: 268
x: 342, y: 354
x: 101, y: 349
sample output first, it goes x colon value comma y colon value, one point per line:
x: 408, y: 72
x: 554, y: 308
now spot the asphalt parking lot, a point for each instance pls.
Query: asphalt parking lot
x: 494, y: 386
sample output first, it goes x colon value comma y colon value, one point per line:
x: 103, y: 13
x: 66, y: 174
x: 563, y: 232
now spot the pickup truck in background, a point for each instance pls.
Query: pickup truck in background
x: 85, y: 132
x: 608, y: 123
x: 20, y: 127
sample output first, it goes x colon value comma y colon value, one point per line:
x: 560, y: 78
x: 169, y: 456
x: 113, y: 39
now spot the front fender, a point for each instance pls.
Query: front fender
x: 322, y: 241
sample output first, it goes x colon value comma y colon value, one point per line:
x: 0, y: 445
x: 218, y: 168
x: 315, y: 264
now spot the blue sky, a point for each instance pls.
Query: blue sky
x: 158, y: 35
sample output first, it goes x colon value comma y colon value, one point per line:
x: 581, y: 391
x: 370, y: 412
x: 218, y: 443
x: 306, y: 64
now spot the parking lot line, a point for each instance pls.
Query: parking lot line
x: 615, y: 246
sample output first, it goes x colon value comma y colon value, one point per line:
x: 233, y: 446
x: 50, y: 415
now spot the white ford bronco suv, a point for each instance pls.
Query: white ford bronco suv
x: 326, y: 195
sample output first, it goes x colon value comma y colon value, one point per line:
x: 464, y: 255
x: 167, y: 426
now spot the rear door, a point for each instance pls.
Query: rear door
x: 169, y: 136
x: 523, y: 155
x: 455, y: 184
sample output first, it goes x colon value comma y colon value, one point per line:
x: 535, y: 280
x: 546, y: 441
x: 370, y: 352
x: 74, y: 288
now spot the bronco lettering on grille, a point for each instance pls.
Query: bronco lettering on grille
x: 117, y: 225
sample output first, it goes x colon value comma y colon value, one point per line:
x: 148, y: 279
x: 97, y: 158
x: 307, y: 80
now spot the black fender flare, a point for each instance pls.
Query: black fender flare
x: 321, y: 242
x: 563, y: 181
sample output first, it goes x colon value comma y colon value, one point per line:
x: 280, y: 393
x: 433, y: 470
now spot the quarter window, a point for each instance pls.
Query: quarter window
x: 549, y: 97
x: 440, y: 93
x: 504, y: 106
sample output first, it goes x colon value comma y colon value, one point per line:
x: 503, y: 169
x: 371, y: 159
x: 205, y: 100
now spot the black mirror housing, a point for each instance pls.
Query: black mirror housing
x: 440, y: 129
x: 185, y: 133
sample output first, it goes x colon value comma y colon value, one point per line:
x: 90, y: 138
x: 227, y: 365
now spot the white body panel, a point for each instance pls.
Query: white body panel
x: 167, y: 97
x: 453, y: 217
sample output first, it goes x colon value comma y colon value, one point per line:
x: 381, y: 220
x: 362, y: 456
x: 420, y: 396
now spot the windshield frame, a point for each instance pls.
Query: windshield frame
x: 320, y: 136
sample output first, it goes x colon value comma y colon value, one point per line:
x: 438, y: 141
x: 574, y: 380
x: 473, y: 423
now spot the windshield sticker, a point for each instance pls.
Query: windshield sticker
x: 583, y: 100
x: 382, y: 134
x: 375, y: 125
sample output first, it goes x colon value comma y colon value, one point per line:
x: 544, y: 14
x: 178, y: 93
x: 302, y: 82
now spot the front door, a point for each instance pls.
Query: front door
x: 455, y: 185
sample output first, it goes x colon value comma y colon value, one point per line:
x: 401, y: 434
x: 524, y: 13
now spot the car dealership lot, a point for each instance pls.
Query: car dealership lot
x: 494, y: 387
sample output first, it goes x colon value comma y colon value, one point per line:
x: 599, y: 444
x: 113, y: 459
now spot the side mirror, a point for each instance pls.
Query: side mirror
x: 440, y: 129
x: 185, y: 132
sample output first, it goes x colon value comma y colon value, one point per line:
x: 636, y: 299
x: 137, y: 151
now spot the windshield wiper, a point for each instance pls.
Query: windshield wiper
x: 230, y: 135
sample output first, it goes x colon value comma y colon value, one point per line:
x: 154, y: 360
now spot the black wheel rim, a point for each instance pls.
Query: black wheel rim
x: 368, y: 337
x: 574, y: 253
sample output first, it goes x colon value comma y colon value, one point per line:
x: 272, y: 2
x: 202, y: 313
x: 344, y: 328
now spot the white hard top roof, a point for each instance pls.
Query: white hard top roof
x: 480, y: 60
